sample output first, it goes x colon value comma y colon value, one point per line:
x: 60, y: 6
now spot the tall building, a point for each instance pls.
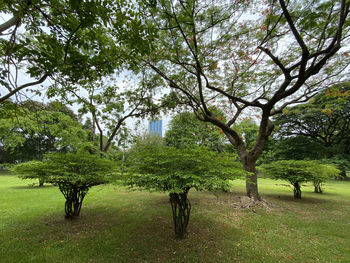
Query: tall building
x: 155, y: 126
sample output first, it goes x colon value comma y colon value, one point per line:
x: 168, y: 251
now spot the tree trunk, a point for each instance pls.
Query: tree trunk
x: 251, y: 180
x: 318, y: 188
x: 74, y: 200
x: 297, y: 190
x: 181, y: 208
x: 41, y: 182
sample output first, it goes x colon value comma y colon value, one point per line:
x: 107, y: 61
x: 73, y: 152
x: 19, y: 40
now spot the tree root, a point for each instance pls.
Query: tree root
x: 246, y: 202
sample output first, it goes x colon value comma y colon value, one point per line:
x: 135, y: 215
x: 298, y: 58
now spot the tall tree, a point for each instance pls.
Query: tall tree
x: 250, y: 57
x: 325, y: 119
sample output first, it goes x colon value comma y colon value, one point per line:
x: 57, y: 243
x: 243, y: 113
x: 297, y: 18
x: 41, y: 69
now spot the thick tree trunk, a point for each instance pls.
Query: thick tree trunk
x: 251, y: 180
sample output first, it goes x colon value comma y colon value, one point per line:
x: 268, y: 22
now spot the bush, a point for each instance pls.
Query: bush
x: 298, y: 172
x: 176, y: 171
x: 74, y: 174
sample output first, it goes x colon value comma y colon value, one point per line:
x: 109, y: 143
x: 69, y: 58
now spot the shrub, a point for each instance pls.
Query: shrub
x: 74, y: 174
x: 176, y: 171
x: 298, y: 172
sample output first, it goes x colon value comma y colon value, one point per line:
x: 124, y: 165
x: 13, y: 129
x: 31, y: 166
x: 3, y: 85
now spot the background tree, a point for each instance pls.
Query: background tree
x: 325, y: 120
x: 175, y: 171
x: 274, y: 56
x: 111, y: 105
x: 74, y: 174
x: 31, y: 129
x: 186, y: 131
x: 33, y: 170
x: 298, y: 172
x: 319, y: 129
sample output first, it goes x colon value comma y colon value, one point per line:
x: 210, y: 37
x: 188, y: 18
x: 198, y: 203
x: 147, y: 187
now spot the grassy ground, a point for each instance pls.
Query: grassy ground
x: 121, y: 226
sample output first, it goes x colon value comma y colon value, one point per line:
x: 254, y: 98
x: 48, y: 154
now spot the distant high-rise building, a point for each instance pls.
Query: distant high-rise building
x: 155, y: 126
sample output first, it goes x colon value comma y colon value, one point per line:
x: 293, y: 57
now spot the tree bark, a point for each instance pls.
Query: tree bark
x: 318, y: 188
x: 10, y: 23
x: 297, y: 190
x: 251, y: 180
x: 181, y: 208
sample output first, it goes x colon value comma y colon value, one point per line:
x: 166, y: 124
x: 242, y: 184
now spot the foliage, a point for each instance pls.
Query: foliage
x: 298, y: 172
x: 342, y: 162
x: 324, y: 119
x: 29, y: 130
x: 186, y: 131
x: 249, y: 131
x: 172, y: 170
x: 74, y: 174
x: 64, y: 40
x: 176, y: 171
x: 296, y: 148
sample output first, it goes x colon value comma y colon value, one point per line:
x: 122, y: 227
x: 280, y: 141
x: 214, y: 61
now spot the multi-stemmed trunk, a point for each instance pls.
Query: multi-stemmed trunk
x: 74, y: 200
x: 181, y: 209
x: 318, y: 187
x: 297, y: 190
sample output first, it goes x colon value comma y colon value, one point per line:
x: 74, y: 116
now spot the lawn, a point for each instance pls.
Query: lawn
x: 117, y: 225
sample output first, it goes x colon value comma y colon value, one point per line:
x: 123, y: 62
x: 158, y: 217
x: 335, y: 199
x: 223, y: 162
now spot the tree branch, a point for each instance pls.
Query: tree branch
x: 14, y: 91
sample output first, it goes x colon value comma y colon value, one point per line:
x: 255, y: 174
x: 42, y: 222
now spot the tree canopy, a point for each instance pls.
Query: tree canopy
x: 156, y: 167
x: 325, y: 119
x: 31, y: 129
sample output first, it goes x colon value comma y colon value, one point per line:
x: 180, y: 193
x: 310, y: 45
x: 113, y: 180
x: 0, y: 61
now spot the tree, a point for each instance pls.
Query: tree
x: 32, y: 170
x: 31, y: 129
x: 298, y: 172
x: 74, y: 174
x: 111, y: 105
x: 80, y: 45
x: 175, y: 171
x: 325, y: 119
x: 186, y: 131
x: 277, y: 55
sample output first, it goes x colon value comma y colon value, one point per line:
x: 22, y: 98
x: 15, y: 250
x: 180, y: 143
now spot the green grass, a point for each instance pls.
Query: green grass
x: 121, y: 226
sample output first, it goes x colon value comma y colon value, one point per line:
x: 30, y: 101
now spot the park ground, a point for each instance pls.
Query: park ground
x: 118, y: 225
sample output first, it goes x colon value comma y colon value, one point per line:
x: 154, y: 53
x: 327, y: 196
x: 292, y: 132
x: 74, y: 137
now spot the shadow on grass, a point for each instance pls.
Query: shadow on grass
x: 304, y: 199
x: 32, y: 186
x: 135, y: 233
